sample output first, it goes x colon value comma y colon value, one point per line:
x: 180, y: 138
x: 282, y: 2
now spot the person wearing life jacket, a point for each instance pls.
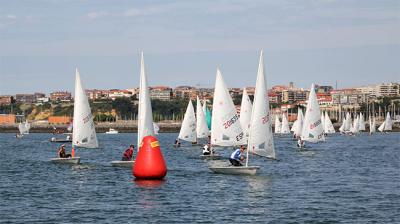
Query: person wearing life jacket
x: 128, y: 154
x: 207, y: 149
x: 300, y: 143
x: 237, y: 156
x: 62, y: 153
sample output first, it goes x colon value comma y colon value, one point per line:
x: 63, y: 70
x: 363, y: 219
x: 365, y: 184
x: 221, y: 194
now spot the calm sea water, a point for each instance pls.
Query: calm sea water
x: 344, y: 180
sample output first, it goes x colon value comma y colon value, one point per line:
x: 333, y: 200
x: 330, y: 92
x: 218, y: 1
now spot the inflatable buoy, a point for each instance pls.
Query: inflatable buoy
x: 149, y: 162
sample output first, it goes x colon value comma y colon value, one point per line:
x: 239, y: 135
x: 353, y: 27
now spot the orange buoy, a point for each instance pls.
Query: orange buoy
x: 72, y: 152
x: 149, y: 162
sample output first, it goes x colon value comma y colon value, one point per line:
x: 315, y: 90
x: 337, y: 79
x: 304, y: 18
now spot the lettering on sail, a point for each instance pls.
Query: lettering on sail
x: 265, y: 119
x: 87, y: 118
x: 231, y: 121
x: 312, y: 126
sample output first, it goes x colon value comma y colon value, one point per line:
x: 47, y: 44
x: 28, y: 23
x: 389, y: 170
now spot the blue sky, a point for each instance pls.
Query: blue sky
x: 353, y: 42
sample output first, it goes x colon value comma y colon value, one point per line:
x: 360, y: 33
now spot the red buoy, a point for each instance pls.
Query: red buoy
x: 149, y: 163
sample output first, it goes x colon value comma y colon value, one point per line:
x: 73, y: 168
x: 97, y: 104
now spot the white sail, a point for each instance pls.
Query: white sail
x: 329, y: 129
x: 381, y: 127
x: 261, y: 141
x: 204, y: 106
x: 347, y: 122
x: 84, y: 133
x: 298, y: 124
x: 21, y: 128
x: 361, y: 123
x: 285, y: 125
x: 372, y: 125
x: 277, y: 125
x: 313, y: 130
x: 245, y: 112
x: 188, y: 128
x: 201, y: 123
x: 27, y: 127
x: 226, y: 129
x: 355, y: 128
x: 323, y: 120
x: 341, y: 128
x: 156, y: 128
x: 388, y: 122
x: 145, y: 116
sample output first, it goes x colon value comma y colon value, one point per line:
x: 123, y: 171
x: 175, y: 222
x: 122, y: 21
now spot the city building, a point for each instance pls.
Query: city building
x: 60, y: 96
x: 25, y: 98
x: 163, y: 93
x: 391, y: 89
x: 185, y: 92
x: 96, y: 94
x: 119, y: 93
x: 7, y: 118
x: 6, y: 100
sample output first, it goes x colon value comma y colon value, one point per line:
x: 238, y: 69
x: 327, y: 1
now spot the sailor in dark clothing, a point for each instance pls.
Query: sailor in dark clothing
x: 62, y: 153
x: 128, y: 154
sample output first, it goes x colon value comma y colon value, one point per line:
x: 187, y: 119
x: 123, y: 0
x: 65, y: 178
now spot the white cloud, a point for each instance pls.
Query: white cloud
x: 11, y: 17
x: 95, y: 15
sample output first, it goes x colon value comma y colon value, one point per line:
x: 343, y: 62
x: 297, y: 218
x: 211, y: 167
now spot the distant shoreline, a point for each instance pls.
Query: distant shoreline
x: 121, y: 127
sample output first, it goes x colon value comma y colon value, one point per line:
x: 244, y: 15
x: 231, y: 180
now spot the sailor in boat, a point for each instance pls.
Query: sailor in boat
x: 207, y: 149
x: 300, y: 143
x: 177, y: 143
x: 128, y: 154
x: 237, y: 156
x: 62, y: 153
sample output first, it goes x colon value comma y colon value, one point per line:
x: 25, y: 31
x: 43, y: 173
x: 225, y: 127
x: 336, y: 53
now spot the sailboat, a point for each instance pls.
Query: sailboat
x: 328, y: 126
x: 207, y: 113
x: 245, y: 112
x: 313, y: 131
x: 285, y: 125
x: 372, y: 125
x: 84, y: 133
x: 260, y: 141
x: 298, y: 124
x: 201, y: 123
x: 188, y: 127
x: 387, y: 124
x: 355, y: 128
x: 226, y: 129
x: 145, y: 114
x: 277, y: 125
x: 361, y: 123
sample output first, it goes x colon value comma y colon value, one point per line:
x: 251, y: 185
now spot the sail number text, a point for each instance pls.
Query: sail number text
x: 231, y: 121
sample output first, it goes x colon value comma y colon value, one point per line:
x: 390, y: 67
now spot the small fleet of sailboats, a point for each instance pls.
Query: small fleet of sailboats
x: 222, y: 126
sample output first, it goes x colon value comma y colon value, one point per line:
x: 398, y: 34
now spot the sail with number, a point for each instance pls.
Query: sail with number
x: 226, y: 129
x: 188, y: 127
x: 261, y: 140
x: 313, y: 130
x: 145, y: 113
x: 84, y: 133
x: 245, y: 112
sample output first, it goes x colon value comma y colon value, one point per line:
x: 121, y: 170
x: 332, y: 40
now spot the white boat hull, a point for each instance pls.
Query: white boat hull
x: 235, y: 170
x: 211, y: 157
x: 71, y: 160
x: 118, y: 163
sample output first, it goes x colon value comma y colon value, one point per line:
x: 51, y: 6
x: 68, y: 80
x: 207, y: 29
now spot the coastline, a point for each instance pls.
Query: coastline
x: 122, y: 127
